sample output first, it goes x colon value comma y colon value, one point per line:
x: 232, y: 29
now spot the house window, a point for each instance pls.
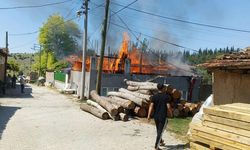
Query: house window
x: 104, y: 91
x: 116, y: 89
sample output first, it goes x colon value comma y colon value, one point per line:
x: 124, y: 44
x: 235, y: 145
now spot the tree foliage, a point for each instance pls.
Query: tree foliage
x: 13, y: 65
x: 59, y: 36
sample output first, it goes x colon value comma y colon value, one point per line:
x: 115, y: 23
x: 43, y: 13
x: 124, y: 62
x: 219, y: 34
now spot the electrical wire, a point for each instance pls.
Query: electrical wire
x: 34, y: 6
x: 152, y: 37
x: 183, y: 21
x: 124, y: 8
x: 30, y: 33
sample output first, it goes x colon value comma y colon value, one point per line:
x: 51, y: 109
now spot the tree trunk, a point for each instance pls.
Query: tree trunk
x: 146, y: 87
x: 146, y: 92
x: 176, y: 94
x: 140, y: 111
x: 127, y: 104
x: 95, y: 111
x: 142, y: 96
x: 176, y: 113
x: 134, y: 83
x: 193, y: 109
x: 104, y: 103
x: 136, y: 100
x: 123, y: 117
x: 94, y: 104
x: 115, y: 117
x: 180, y: 107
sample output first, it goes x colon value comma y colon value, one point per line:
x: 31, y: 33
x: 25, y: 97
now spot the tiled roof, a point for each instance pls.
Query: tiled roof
x: 239, y: 60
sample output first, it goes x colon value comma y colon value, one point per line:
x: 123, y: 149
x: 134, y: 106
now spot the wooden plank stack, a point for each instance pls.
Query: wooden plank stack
x: 135, y: 100
x: 223, y: 127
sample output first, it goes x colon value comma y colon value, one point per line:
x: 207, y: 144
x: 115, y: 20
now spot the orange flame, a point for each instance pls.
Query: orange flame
x: 140, y: 61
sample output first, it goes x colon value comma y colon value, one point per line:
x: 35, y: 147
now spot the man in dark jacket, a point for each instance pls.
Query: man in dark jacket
x: 160, y: 105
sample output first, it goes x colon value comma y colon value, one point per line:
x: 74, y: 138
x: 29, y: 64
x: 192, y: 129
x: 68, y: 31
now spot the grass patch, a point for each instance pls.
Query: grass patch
x: 179, y: 126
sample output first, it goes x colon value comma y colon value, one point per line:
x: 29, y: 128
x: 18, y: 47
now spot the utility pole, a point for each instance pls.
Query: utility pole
x: 6, y: 56
x: 85, y: 12
x: 40, y: 60
x: 104, y: 31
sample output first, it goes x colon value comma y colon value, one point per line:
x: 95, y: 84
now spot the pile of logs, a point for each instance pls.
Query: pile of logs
x: 134, y: 101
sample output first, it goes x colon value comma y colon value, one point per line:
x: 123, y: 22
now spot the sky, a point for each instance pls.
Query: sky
x: 224, y: 13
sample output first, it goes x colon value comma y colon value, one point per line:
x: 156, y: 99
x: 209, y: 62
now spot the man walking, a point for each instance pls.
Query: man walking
x: 160, y: 105
x: 22, y: 83
x: 13, y: 83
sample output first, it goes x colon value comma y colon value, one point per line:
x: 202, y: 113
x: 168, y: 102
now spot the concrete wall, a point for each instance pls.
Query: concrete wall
x: 2, y: 72
x: 2, y: 67
x: 231, y: 87
x: 59, y: 85
x: 50, y: 77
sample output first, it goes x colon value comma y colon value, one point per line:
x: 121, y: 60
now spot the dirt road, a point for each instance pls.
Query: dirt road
x: 43, y: 119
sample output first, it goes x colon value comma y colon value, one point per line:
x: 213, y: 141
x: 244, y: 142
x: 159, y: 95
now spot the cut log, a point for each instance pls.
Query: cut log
x: 95, y: 111
x: 104, y: 103
x: 127, y: 104
x: 133, y: 98
x: 186, y: 110
x: 176, y: 113
x: 142, y: 96
x: 176, y: 94
x: 193, y: 109
x: 180, y: 107
x: 135, y: 83
x: 146, y: 87
x: 188, y: 105
x: 115, y: 118
x: 146, y: 92
x: 94, y: 104
x: 123, y: 117
x: 133, y: 88
x: 120, y: 109
x: 140, y: 112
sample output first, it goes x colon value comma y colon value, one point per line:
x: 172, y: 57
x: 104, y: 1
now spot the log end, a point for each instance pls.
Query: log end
x: 131, y: 105
x: 120, y: 109
x: 114, y: 112
x: 105, y: 116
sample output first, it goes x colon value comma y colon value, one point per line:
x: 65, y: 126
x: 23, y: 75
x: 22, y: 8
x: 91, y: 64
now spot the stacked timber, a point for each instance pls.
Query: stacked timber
x: 141, y: 92
x: 135, y: 100
x: 223, y: 127
x: 107, y: 107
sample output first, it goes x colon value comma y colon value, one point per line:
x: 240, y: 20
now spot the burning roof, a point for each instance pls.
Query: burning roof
x: 239, y: 60
x: 141, y: 62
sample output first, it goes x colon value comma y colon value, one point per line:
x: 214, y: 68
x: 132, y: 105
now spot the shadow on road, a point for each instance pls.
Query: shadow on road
x: 6, y: 112
x: 16, y: 92
x: 176, y: 147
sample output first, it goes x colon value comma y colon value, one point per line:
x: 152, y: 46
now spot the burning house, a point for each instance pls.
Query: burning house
x: 231, y: 77
x: 132, y: 64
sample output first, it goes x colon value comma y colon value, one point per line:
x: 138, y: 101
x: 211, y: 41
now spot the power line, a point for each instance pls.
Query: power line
x: 124, y: 8
x: 183, y: 21
x: 34, y: 6
x: 30, y: 33
x: 152, y: 37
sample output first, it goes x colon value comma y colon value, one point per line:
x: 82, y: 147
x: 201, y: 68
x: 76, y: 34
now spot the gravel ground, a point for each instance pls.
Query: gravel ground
x: 43, y: 119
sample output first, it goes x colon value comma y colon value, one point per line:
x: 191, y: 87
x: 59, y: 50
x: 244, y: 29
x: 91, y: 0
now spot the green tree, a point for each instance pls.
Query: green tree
x: 13, y: 65
x: 59, y: 36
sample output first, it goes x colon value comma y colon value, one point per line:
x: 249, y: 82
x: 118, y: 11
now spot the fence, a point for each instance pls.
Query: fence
x: 59, y: 76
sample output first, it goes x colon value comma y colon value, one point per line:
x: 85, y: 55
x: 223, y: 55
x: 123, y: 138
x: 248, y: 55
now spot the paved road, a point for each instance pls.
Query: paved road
x: 43, y: 119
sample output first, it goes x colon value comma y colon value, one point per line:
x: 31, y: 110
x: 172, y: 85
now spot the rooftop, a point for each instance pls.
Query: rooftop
x: 236, y: 60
